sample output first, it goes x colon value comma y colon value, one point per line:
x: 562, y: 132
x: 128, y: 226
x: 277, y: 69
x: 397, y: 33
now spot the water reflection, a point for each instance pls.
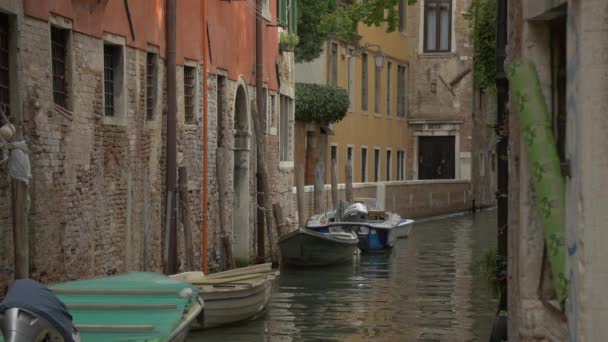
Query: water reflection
x: 423, y: 290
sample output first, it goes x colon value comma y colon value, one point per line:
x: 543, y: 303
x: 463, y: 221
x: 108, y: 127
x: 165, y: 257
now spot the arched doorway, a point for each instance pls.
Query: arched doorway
x: 242, y: 197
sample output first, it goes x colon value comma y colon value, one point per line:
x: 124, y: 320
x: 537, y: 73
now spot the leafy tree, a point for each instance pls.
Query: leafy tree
x: 320, y: 19
x: 311, y: 37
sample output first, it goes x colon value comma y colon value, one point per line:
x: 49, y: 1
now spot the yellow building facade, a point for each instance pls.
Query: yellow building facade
x: 374, y: 134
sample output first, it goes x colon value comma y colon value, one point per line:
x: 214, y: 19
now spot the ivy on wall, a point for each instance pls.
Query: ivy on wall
x: 320, y: 103
x: 482, y: 19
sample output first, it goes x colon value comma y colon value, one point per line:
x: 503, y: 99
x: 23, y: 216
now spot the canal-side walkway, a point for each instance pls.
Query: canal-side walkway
x: 423, y: 290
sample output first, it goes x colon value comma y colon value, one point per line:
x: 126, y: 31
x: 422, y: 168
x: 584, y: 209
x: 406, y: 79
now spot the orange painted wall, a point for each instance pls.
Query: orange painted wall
x: 94, y: 17
x: 232, y: 40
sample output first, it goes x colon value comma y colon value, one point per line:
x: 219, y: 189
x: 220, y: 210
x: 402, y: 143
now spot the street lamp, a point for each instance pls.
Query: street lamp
x: 379, y: 56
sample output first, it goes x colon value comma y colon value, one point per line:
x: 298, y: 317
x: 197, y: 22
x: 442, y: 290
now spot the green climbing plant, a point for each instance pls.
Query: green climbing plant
x: 482, y: 20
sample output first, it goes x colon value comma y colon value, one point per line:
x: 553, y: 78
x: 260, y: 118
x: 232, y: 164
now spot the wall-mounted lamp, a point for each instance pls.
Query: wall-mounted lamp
x: 378, y: 58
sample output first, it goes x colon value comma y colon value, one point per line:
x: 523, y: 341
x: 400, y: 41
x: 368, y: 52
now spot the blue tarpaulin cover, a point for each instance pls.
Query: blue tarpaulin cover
x: 39, y: 299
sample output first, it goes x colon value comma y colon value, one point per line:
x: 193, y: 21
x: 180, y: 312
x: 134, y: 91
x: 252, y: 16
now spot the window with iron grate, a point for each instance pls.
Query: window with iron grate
x: 151, y: 84
x: 59, y: 38
x: 189, y: 93
x: 109, y: 69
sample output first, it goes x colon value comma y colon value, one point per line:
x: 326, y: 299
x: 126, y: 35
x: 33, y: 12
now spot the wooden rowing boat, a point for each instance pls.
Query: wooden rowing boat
x: 232, y: 296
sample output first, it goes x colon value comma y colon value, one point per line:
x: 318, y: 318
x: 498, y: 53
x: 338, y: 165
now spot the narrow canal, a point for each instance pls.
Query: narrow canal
x: 425, y: 289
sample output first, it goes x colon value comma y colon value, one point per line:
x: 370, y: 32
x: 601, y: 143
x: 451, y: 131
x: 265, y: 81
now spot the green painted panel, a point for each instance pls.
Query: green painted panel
x: 543, y: 165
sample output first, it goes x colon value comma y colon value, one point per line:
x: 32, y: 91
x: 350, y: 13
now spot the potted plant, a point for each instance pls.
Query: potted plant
x: 288, y: 41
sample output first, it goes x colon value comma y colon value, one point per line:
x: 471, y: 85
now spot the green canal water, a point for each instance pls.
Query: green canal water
x: 425, y: 289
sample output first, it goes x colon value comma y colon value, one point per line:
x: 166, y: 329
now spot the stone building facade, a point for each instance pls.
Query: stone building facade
x: 440, y: 100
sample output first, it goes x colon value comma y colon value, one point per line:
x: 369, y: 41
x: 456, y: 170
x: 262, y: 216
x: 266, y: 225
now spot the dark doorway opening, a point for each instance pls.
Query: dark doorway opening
x: 436, y: 157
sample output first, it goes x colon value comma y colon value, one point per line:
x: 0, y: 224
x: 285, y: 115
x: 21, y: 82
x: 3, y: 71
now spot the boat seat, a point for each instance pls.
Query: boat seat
x: 376, y: 213
x: 122, y: 306
x: 114, y: 327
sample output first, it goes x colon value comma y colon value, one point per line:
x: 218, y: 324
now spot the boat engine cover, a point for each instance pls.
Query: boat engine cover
x: 355, y: 213
x: 33, y: 306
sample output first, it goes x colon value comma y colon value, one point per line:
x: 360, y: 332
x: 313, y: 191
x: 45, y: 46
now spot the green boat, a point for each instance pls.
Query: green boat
x: 131, y: 307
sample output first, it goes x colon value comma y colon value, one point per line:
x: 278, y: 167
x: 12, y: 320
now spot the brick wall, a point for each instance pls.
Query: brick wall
x: 97, y: 205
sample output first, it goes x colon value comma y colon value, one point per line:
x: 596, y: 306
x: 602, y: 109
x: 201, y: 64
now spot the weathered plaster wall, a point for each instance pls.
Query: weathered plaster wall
x: 587, y: 189
x: 529, y: 318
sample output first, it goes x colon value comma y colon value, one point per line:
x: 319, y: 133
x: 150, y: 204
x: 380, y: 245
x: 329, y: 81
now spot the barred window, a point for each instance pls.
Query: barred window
x: 376, y: 165
x: 151, y: 84
x: 401, y: 91
x: 285, y: 138
x: 363, y: 164
x: 389, y: 159
x: 189, y: 93
x: 400, y: 165
x: 389, y: 88
x: 5, y: 94
x: 109, y: 69
x: 364, y: 81
x: 59, y: 39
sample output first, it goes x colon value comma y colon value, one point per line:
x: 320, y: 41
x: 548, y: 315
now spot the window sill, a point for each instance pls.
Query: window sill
x: 286, y: 165
x: 151, y: 124
x: 114, y: 120
x: 431, y: 55
x: 376, y: 115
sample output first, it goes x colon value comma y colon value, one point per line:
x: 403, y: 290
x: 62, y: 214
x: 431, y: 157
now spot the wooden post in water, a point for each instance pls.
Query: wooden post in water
x: 349, y: 181
x: 224, y: 165
x: 319, y: 187
x: 279, y: 219
x: 320, y: 176
x: 334, y: 184
x: 21, y: 244
x: 184, y: 205
x: 300, y: 195
x: 20, y: 230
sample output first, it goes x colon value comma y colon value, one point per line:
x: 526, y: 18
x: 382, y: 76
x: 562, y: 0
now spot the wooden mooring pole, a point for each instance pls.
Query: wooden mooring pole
x: 334, y: 184
x: 184, y: 205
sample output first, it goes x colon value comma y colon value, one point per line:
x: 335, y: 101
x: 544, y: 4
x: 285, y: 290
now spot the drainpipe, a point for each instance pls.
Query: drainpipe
x: 205, y: 137
x: 171, y: 171
x: 259, y: 69
x: 502, y: 86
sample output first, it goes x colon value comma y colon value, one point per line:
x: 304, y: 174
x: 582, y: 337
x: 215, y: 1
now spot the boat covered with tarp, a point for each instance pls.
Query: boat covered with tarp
x: 137, y: 306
